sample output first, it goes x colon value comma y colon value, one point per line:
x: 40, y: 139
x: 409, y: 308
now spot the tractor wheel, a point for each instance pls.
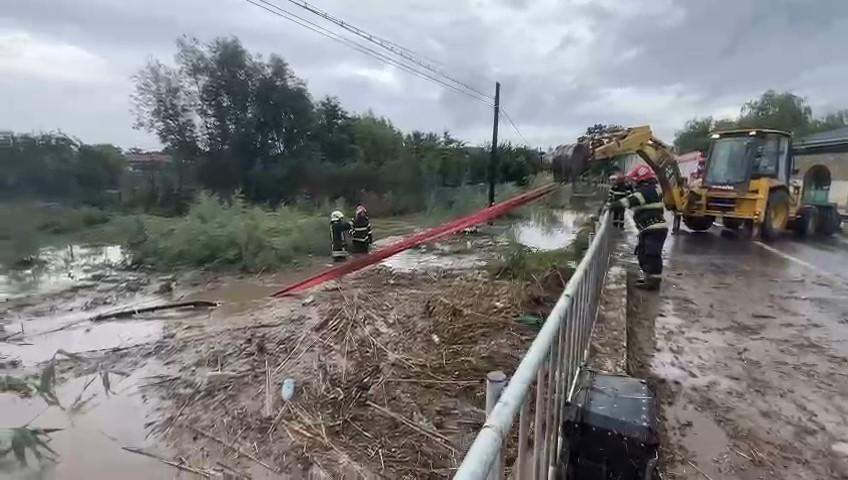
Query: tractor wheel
x: 777, y: 214
x: 805, y: 225
x: 731, y: 223
x: 829, y: 221
x: 698, y: 224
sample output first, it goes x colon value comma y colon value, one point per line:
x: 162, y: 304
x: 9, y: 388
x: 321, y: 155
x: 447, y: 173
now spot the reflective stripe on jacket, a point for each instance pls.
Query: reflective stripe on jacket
x: 617, y: 191
x: 338, y: 230
x: 361, y: 229
x: 647, y: 206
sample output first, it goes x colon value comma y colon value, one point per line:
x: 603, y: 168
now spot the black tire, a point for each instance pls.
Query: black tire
x: 698, y: 224
x: 732, y: 223
x: 829, y: 220
x: 806, y: 224
x: 777, y: 206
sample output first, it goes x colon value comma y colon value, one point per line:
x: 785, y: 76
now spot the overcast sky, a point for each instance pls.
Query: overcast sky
x: 67, y: 64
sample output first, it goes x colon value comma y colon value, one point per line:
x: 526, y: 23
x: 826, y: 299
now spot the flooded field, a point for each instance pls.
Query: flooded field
x: 56, y: 269
x: 131, y: 393
x: 548, y: 229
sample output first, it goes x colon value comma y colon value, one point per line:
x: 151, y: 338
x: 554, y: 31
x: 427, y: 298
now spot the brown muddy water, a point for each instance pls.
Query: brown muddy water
x: 53, y: 302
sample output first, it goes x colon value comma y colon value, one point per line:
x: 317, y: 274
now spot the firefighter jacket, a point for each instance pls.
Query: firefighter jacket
x: 338, y: 230
x: 361, y: 229
x: 647, y: 205
x: 618, y: 191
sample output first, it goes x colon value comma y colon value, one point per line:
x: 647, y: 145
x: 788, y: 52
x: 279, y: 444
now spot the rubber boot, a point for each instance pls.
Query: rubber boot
x: 648, y: 282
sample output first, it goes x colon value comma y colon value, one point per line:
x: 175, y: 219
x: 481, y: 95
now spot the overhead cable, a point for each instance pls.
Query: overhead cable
x: 303, y: 22
x: 393, y: 47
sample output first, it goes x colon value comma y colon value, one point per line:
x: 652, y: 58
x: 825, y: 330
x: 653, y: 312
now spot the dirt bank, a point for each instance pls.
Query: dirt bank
x: 388, y: 374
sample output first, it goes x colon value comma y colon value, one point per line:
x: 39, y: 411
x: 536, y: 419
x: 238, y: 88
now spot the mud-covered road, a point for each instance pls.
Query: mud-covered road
x: 748, y: 346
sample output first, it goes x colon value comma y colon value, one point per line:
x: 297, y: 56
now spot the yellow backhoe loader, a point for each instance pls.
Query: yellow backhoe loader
x: 747, y: 181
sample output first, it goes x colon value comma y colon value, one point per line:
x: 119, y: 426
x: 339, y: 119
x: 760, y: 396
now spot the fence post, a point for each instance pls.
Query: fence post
x: 523, y: 465
x: 538, y: 422
x: 495, y: 383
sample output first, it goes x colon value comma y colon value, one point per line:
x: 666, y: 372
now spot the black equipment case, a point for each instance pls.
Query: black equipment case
x: 611, y: 428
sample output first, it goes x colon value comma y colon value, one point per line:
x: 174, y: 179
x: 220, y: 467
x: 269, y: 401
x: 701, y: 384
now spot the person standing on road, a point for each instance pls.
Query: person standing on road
x: 361, y: 238
x: 619, y: 189
x: 648, y: 213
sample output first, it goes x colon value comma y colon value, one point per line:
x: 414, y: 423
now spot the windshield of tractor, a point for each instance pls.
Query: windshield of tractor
x: 767, y: 154
x: 731, y: 156
x: 727, y: 163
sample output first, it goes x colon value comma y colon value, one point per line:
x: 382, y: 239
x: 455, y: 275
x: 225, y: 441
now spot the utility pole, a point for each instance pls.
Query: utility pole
x: 493, y: 159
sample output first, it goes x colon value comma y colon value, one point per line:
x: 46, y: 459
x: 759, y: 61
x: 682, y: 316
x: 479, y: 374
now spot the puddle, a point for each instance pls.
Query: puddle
x: 456, y: 255
x: 84, y: 337
x: 90, y: 442
x: 412, y: 260
x: 549, y: 229
x: 543, y: 229
x: 59, y: 269
x: 699, y: 433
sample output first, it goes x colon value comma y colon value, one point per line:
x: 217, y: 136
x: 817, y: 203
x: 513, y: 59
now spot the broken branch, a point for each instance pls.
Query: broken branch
x: 168, y: 306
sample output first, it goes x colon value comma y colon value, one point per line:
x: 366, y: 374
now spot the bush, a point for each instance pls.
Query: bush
x: 59, y: 220
x: 452, y: 202
x: 232, y: 232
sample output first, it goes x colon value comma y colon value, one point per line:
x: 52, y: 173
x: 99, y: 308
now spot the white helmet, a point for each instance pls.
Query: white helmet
x: 336, y: 216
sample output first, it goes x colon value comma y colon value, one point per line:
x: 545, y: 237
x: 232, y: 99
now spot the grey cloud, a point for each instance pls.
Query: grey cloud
x: 563, y: 65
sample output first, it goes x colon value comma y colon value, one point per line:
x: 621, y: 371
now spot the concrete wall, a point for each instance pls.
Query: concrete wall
x: 837, y: 163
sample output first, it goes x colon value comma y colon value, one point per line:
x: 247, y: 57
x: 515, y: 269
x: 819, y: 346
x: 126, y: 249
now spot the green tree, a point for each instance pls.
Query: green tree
x: 695, y: 135
x: 830, y: 121
x: 783, y: 111
x: 377, y: 140
x: 98, y: 168
x: 246, y: 120
x: 55, y: 166
x: 333, y: 132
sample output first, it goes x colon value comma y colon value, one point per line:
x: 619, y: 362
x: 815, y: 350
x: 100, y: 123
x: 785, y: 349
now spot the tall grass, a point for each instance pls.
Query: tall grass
x: 232, y: 232
x: 47, y: 218
x: 452, y: 202
x: 27, y: 226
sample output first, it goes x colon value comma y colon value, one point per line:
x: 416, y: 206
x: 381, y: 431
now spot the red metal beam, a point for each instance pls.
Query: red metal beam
x: 414, y: 240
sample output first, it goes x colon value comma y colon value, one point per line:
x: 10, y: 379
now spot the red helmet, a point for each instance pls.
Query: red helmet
x: 641, y: 173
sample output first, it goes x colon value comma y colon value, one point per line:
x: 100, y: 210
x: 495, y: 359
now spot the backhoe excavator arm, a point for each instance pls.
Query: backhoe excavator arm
x: 658, y: 155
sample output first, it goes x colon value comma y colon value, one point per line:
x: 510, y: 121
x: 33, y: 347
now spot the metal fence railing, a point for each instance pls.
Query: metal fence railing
x: 551, y: 363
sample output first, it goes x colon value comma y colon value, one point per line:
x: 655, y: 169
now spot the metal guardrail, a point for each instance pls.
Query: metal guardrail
x: 551, y: 364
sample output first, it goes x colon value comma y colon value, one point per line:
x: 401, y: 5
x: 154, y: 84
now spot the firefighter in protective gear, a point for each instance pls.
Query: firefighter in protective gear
x: 361, y: 237
x: 339, y: 229
x: 619, y: 189
x: 648, y: 208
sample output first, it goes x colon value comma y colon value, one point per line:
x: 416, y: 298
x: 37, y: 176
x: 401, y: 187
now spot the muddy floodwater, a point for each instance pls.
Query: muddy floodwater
x: 119, y: 382
x: 549, y: 229
x: 56, y: 269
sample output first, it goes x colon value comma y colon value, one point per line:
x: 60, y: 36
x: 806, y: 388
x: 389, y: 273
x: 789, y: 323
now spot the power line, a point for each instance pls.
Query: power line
x: 393, y: 47
x: 283, y: 13
x: 514, y: 126
x: 350, y: 27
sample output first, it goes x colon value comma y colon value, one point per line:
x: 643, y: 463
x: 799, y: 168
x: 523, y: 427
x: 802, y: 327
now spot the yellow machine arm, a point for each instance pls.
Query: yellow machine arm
x: 658, y: 155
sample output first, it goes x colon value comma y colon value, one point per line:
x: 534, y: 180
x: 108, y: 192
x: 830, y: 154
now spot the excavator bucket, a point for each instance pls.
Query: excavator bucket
x: 569, y: 161
x: 607, y: 143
